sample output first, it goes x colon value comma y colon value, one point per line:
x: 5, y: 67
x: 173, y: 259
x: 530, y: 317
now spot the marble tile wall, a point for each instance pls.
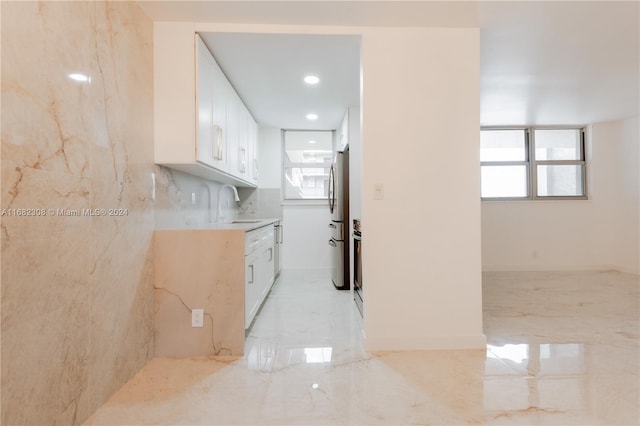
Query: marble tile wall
x: 188, y: 202
x: 199, y: 269
x: 77, y: 289
x: 260, y: 203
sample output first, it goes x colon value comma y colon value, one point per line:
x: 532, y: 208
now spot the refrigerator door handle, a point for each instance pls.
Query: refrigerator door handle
x: 332, y: 187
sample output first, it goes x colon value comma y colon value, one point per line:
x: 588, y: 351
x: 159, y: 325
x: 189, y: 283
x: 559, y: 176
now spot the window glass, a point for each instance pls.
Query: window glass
x: 307, y: 159
x: 560, y: 180
x: 306, y: 183
x: 502, y: 145
x: 504, y: 181
x: 561, y: 144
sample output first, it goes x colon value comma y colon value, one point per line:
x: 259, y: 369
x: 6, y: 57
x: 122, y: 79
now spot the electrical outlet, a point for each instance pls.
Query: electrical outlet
x: 197, y: 318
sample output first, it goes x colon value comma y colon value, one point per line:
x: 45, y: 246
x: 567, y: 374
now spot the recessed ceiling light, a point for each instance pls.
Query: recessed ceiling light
x: 79, y: 77
x: 312, y: 116
x: 311, y: 79
x: 312, y: 141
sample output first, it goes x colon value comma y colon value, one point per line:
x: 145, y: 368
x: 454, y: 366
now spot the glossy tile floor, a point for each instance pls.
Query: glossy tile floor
x: 562, y: 349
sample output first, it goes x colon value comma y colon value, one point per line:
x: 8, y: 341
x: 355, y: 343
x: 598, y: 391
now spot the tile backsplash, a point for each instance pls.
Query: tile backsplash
x: 188, y: 202
x: 260, y: 203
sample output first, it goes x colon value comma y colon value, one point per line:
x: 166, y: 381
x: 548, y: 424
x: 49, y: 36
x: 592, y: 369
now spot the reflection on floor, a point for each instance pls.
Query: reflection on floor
x: 563, y: 349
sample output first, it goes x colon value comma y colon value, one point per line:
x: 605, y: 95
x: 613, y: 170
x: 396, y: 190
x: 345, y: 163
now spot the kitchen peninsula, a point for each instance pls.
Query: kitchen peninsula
x: 226, y: 270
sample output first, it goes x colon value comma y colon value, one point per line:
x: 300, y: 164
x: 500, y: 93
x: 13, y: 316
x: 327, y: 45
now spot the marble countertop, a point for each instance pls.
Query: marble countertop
x: 245, y: 225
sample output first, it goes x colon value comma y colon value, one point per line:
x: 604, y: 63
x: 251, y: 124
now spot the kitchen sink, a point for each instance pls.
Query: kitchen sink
x: 247, y: 221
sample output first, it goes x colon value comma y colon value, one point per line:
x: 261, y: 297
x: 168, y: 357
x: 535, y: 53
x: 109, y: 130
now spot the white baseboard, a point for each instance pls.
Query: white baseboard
x: 559, y: 268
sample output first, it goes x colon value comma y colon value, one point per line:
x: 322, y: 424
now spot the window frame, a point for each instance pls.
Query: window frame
x: 284, y: 167
x: 531, y: 163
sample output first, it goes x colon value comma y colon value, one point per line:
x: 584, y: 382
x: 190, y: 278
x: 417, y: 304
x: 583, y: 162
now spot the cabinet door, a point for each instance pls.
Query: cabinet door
x: 205, y: 146
x: 220, y: 95
x: 253, y: 149
x: 252, y: 287
x: 232, y: 106
x: 243, y: 138
x: 210, y: 95
x: 265, y: 271
x: 269, y: 269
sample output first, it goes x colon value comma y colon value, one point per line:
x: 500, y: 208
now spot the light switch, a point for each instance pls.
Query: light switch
x: 378, y: 191
x: 193, y: 198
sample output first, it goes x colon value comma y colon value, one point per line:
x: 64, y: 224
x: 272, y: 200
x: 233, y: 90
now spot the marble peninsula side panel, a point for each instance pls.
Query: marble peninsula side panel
x: 199, y: 269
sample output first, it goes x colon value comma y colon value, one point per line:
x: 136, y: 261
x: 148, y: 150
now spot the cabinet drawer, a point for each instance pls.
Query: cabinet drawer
x: 253, y: 239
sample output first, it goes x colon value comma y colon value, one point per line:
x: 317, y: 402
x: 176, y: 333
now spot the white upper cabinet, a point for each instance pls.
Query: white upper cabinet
x: 211, y: 98
x: 243, y: 141
x: 233, y: 124
x: 247, y: 146
x: 253, y: 150
x: 210, y: 137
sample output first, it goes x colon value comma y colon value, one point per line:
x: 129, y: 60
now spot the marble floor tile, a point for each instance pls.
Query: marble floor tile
x: 562, y: 350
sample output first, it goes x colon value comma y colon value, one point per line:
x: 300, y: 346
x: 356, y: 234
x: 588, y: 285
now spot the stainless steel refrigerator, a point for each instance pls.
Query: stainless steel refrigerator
x: 338, y: 197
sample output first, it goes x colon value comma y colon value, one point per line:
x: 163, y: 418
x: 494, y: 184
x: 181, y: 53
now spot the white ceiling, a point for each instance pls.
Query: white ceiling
x: 542, y: 62
x: 267, y: 71
x: 553, y: 62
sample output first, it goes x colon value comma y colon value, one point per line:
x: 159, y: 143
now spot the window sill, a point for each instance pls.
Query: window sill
x: 303, y: 202
x: 534, y: 201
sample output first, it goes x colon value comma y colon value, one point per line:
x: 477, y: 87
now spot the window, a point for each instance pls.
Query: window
x: 532, y: 163
x: 505, y: 166
x: 559, y: 160
x: 306, y: 162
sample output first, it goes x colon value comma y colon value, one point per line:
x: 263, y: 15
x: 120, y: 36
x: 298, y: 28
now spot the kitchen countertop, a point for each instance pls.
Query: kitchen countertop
x: 245, y: 225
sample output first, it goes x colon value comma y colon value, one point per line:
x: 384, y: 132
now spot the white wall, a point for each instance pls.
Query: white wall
x: 269, y: 157
x: 306, y: 229
x: 624, y: 137
x: 421, y: 243
x: 600, y: 233
x: 306, y: 236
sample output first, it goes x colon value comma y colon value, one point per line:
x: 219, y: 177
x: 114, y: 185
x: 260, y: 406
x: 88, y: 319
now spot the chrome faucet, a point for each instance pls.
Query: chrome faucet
x: 235, y: 192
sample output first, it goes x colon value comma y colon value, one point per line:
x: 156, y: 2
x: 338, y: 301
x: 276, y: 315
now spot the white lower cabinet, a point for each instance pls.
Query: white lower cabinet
x: 251, y: 272
x: 259, y: 270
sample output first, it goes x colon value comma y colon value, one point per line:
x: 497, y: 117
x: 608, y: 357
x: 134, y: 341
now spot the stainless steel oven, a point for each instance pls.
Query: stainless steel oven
x: 358, y: 294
